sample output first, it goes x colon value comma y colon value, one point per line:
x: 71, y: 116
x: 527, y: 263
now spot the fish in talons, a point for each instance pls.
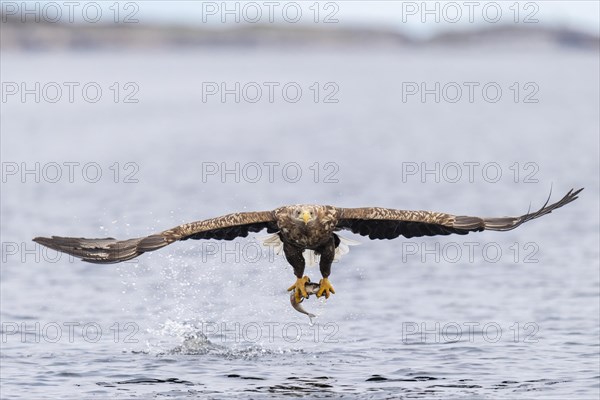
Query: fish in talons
x: 311, y: 288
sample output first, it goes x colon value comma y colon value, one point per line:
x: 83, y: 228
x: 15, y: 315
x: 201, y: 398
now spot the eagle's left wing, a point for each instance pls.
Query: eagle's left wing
x: 110, y: 250
x: 386, y: 223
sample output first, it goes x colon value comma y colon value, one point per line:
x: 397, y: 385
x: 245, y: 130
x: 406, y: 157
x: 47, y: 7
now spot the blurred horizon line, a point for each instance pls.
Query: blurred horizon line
x: 31, y: 35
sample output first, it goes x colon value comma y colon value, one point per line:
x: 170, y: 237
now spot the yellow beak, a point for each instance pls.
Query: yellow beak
x: 305, y: 216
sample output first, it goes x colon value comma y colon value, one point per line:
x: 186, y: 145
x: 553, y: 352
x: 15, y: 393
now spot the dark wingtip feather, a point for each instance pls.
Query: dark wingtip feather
x: 103, y: 251
x: 509, y: 223
x: 40, y: 239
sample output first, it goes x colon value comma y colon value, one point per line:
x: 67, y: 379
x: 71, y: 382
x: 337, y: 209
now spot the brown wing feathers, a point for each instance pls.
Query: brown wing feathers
x: 229, y: 226
x: 110, y: 250
x: 385, y: 223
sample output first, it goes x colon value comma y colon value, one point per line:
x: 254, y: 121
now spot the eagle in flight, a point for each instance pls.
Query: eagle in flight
x: 300, y: 228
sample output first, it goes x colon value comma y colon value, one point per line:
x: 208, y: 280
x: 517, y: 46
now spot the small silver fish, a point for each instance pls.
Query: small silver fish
x: 311, y: 288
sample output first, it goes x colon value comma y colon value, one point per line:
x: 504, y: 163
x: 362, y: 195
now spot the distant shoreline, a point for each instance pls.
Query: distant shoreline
x: 31, y: 36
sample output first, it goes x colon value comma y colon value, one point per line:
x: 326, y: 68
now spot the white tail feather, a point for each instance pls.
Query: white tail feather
x: 309, y: 255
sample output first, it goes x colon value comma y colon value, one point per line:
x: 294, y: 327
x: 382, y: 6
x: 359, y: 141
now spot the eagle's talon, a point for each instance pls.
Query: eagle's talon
x: 325, y: 288
x: 299, y: 289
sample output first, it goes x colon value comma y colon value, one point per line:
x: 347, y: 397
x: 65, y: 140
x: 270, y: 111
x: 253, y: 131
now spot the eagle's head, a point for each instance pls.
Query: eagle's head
x: 302, y: 219
x: 303, y: 214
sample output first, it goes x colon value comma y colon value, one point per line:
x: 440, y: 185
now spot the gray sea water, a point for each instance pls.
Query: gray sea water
x: 510, y: 315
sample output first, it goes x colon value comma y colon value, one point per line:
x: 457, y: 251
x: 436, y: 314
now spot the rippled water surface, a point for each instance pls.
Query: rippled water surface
x: 488, y: 315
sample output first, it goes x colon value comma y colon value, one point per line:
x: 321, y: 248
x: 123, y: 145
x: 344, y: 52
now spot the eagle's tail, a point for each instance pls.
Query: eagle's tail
x: 310, y: 256
x: 103, y: 251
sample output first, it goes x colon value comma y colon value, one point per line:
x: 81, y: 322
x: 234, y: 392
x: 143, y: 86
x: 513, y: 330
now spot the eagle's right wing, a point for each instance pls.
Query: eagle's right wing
x: 387, y: 223
x: 109, y: 250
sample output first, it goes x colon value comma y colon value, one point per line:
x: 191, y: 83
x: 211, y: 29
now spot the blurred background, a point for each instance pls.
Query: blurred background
x: 120, y: 119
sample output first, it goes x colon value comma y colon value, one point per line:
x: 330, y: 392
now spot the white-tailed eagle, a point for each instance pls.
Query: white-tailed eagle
x: 300, y: 227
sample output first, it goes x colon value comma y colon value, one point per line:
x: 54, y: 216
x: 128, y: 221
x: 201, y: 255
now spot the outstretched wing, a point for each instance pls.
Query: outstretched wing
x: 109, y: 250
x: 385, y: 223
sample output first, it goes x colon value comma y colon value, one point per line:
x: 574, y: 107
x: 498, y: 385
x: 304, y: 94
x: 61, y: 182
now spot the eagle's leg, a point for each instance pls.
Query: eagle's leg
x: 295, y: 257
x: 327, y: 255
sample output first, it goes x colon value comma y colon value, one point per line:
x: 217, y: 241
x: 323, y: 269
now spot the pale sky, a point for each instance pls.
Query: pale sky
x: 420, y: 18
x: 406, y: 16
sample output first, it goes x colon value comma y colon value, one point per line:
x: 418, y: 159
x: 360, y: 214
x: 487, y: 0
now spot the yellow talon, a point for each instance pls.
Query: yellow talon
x: 300, y: 290
x: 325, y: 288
